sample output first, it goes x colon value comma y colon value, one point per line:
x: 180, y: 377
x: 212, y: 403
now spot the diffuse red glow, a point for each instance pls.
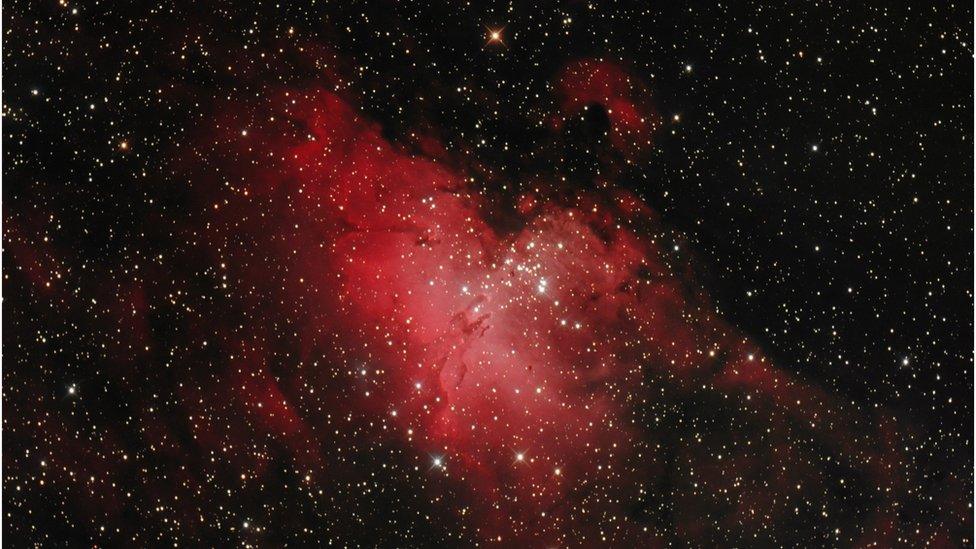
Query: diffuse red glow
x: 625, y: 97
x: 518, y: 365
x: 562, y: 381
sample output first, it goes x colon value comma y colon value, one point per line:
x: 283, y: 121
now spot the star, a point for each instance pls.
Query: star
x: 495, y: 36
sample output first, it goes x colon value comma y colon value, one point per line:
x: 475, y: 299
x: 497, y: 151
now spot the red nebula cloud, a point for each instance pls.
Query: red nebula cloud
x: 563, y: 382
x: 519, y: 366
x: 589, y: 82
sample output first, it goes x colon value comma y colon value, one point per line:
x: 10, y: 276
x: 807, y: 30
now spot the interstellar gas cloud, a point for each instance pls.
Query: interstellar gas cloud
x: 444, y: 275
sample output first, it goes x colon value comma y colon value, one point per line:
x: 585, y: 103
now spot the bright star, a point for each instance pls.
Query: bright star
x: 495, y: 36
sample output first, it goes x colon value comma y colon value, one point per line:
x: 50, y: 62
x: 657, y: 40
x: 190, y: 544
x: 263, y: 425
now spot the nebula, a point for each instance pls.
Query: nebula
x: 553, y: 376
x: 537, y: 368
x: 625, y: 98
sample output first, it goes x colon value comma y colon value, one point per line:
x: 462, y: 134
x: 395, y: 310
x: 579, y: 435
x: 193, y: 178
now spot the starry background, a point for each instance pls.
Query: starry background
x: 817, y: 159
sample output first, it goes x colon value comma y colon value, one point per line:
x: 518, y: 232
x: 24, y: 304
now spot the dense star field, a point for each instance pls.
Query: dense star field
x: 447, y: 274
